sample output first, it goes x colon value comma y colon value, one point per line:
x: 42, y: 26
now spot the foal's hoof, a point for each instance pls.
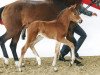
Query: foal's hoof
x: 55, y: 69
x: 39, y: 66
x: 23, y: 65
x: 70, y: 64
x: 19, y: 70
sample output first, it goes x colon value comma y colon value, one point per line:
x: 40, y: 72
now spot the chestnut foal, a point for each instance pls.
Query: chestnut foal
x: 56, y: 29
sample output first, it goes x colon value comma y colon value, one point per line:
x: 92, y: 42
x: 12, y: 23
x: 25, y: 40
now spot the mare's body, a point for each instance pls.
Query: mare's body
x: 19, y: 15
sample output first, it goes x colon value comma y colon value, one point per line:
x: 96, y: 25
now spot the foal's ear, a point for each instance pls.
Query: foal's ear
x: 72, y: 6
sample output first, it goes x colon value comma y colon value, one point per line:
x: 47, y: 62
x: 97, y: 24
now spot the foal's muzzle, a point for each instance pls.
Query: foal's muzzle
x: 80, y: 21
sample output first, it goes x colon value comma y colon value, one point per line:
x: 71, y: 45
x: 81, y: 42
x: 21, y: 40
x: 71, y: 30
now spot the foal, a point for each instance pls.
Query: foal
x: 56, y: 29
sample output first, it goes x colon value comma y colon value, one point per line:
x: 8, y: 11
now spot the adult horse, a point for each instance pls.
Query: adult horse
x: 19, y: 15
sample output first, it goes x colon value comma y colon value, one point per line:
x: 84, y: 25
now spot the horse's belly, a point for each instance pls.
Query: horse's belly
x: 49, y: 36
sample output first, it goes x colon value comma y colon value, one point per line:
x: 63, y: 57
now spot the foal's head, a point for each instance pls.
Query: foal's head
x: 74, y: 15
x: 70, y: 14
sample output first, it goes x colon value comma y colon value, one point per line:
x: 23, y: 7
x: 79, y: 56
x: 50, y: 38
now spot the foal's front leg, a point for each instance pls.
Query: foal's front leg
x: 71, y: 45
x: 38, y: 38
x: 57, y: 49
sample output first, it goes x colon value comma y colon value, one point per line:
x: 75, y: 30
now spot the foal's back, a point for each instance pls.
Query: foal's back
x: 51, y: 29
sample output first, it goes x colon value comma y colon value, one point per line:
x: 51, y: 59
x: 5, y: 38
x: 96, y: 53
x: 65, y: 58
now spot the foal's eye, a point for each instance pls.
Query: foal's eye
x: 74, y: 13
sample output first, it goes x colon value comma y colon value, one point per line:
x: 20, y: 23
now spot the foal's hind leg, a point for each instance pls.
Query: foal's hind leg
x: 13, y: 45
x: 39, y: 38
x: 23, y: 51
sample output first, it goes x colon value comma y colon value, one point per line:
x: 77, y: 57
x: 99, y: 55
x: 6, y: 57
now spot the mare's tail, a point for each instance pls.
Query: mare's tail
x: 1, y: 21
x: 1, y: 9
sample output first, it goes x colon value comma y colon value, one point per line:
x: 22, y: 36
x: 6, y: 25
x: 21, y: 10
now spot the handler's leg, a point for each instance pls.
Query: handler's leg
x: 64, y: 51
x: 80, y: 41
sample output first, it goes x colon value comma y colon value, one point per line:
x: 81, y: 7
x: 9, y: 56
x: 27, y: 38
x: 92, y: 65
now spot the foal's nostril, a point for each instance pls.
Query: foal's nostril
x: 80, y: 21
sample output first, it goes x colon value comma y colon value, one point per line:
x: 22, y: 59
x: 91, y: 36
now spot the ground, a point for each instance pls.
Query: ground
x: 91, y: 67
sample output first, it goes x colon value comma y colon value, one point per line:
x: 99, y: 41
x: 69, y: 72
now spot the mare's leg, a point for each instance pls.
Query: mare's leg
x: 3, y: 39
x: 13, y: 45
x: 23, y: 34
x: 39, y: 38
x: 57, y: 51
x: 71, y: 45
x: 5, y: 58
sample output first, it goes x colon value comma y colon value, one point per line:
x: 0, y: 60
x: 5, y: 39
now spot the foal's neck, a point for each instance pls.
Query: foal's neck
x: 63, y: 18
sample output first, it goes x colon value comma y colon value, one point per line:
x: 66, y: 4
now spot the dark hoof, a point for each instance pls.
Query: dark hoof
x: 79, y: 58
x: 61, y: 58
x: 80, y: 64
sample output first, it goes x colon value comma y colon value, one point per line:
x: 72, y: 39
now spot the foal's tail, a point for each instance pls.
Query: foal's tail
x: 23, y: 34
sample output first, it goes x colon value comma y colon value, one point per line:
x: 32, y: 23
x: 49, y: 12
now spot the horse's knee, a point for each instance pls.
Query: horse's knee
x: 1, y: 41
x: 12, y: 45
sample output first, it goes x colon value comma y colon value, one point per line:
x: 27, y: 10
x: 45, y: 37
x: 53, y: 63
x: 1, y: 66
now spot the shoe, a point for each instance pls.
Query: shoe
x: 61, y: 58
x: 78, y: 57
x: 78, y: 63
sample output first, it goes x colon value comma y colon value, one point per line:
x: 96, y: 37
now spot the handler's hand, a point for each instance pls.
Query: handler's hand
x: 94, y: 14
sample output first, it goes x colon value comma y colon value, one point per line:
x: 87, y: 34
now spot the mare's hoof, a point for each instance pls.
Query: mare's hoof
x: 6, y: 62
x: 80, y: 64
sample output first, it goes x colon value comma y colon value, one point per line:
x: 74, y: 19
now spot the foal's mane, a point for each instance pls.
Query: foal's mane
x: 60, y: 14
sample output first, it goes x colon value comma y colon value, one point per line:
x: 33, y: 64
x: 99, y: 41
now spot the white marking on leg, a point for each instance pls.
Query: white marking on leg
x: 16, y: 63
x: 5, y: 60
x: 37, y: 57
x: 54, y: 60
x: 23, y: 51
x: 20, y: 63
x: 73, y: 55
x: 57, y: 49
